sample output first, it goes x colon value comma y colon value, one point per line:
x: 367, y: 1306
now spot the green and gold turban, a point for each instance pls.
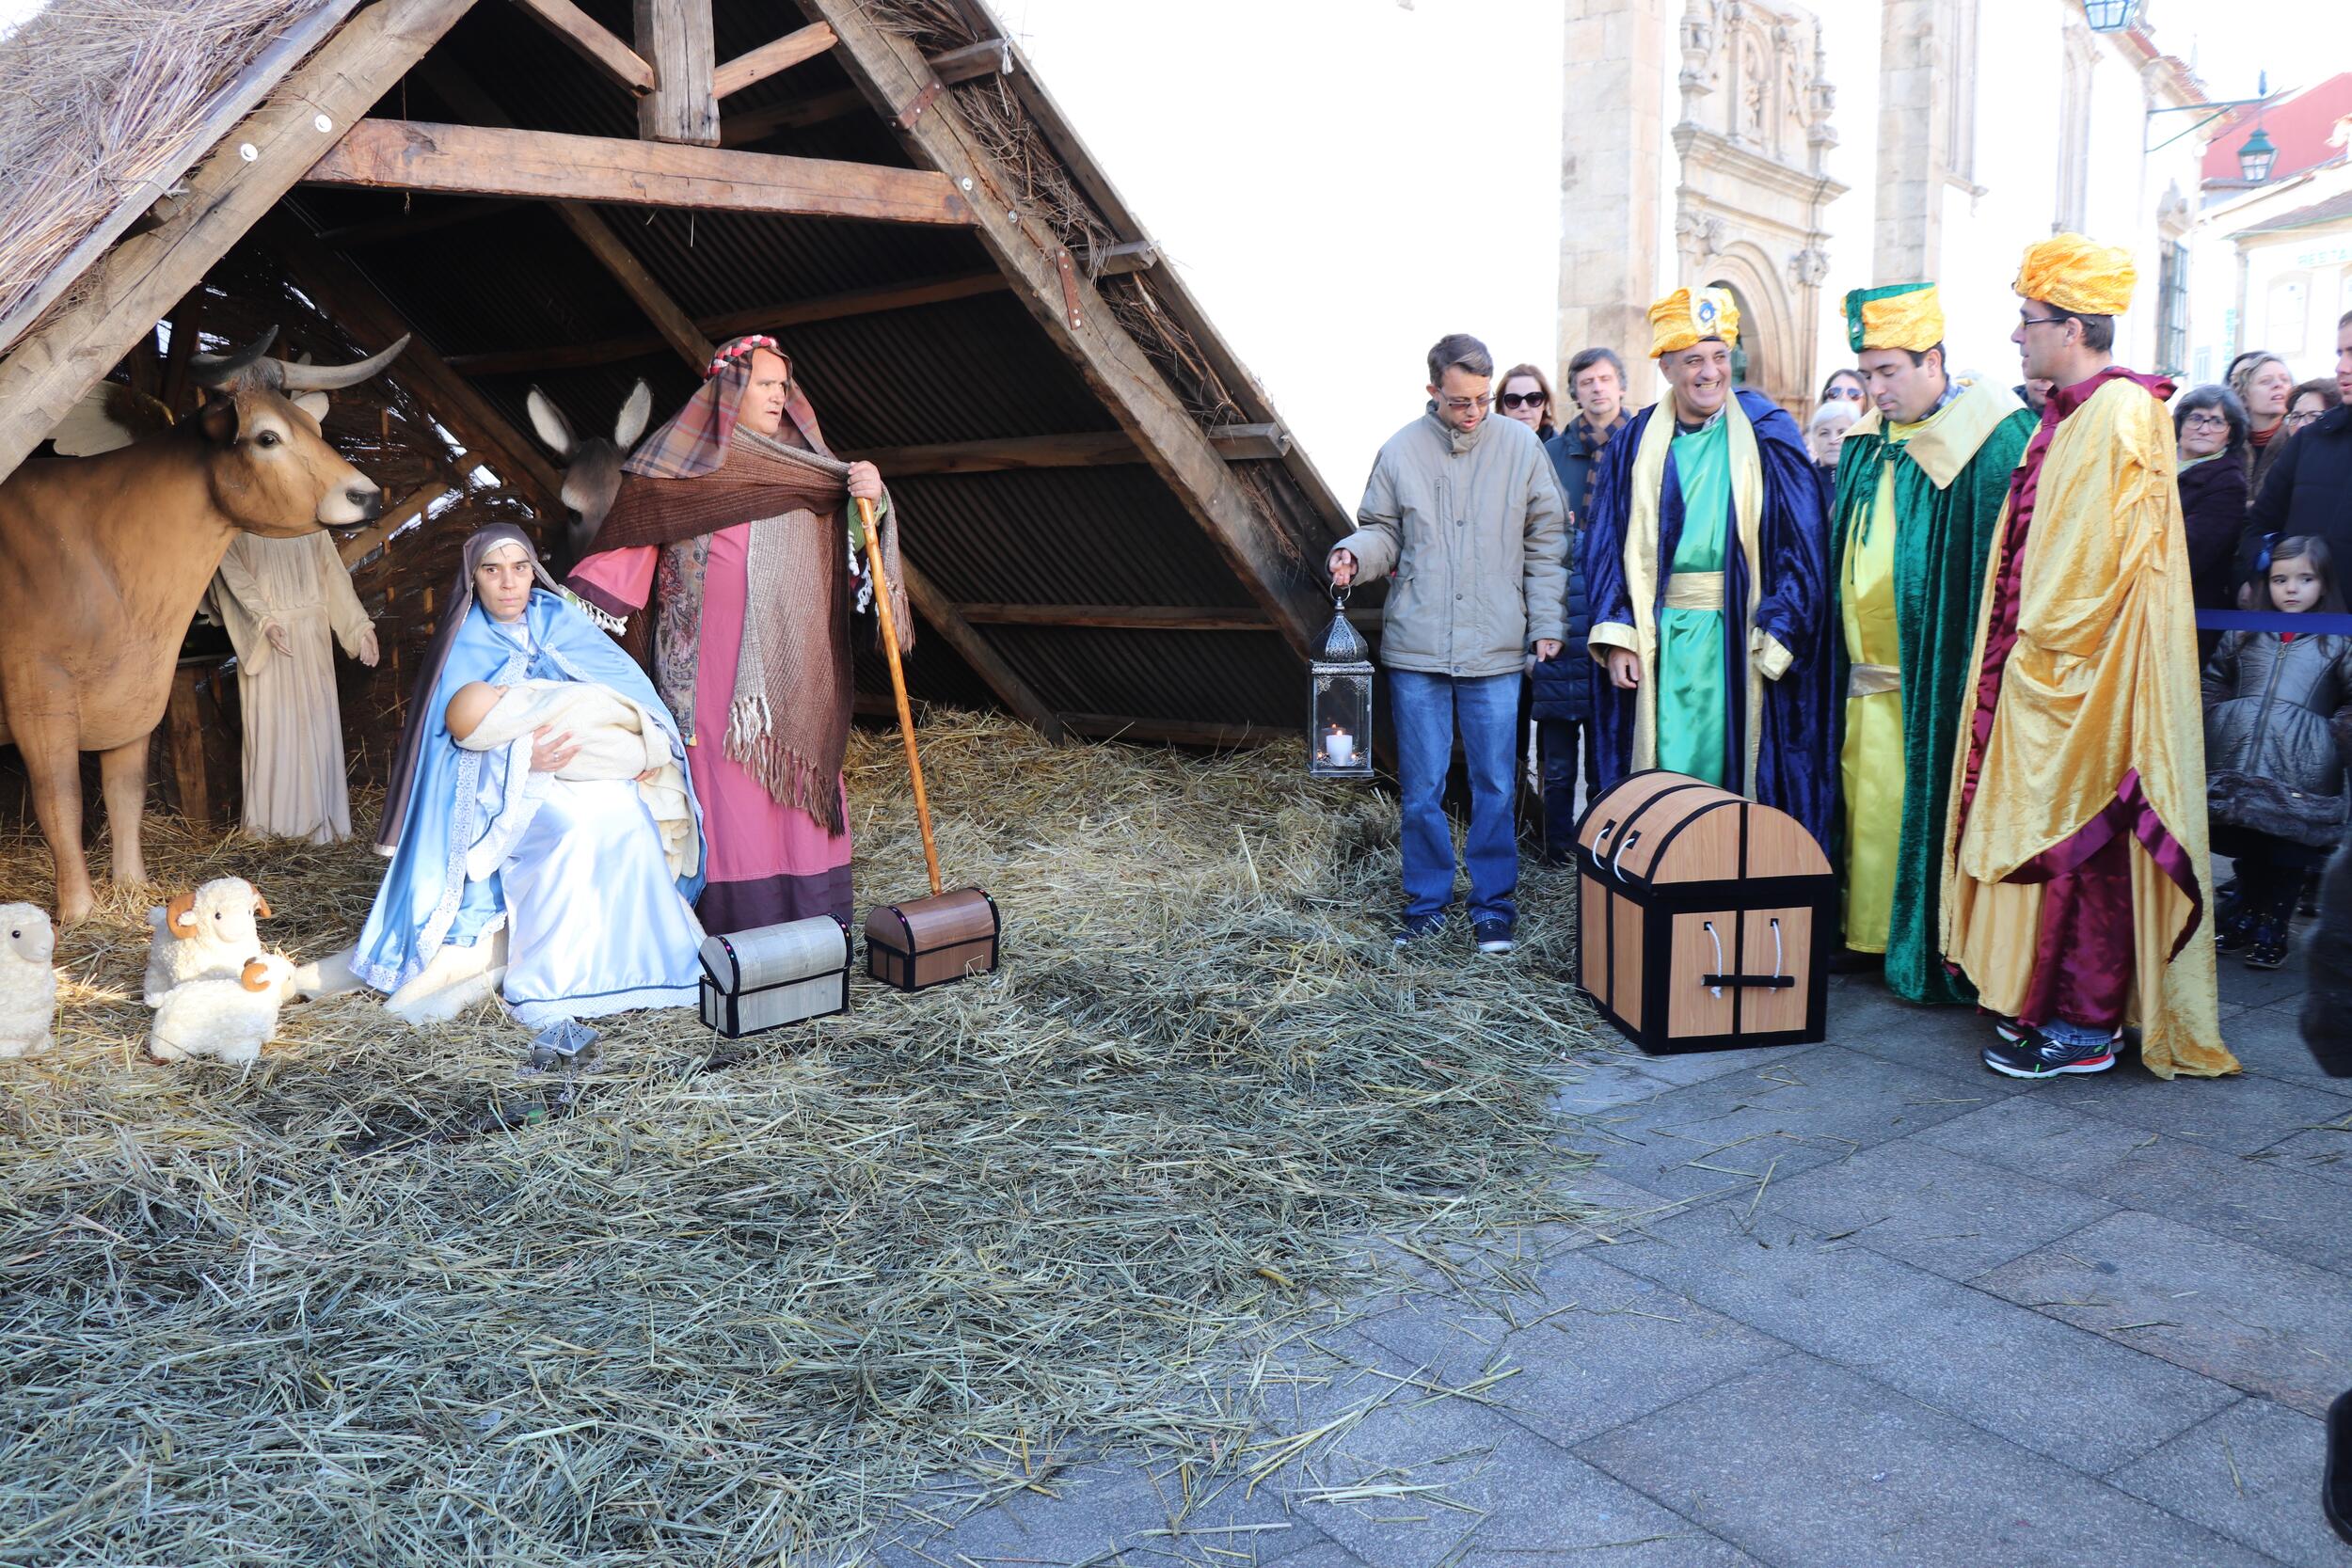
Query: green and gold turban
x: 1899, y: 315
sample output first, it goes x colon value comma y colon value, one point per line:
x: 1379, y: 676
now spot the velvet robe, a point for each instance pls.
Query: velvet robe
x: 1795, y: 768
x: 1950, y: 482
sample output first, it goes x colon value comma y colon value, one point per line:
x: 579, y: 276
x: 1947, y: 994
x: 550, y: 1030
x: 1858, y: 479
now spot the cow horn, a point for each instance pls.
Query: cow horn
x: 328, y: 378
x: 219, y: 369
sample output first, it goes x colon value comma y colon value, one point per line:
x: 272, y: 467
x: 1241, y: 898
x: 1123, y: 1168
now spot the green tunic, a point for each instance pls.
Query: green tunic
x: 1691, y: 694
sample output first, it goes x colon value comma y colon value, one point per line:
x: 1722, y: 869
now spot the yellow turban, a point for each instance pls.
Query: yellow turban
x: 1688, y: 315
x: 1901, y: 315
x: 2078, y: 276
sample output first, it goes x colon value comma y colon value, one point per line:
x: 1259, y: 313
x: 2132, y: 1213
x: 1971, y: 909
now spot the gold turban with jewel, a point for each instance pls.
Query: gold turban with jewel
x: 1688, y: 315
x: 2077, y: 276
x: 1899, y: 315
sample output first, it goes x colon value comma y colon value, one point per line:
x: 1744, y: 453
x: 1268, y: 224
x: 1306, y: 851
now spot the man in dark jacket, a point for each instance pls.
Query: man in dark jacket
x: 2308, y: 489
x: 1564, y: 687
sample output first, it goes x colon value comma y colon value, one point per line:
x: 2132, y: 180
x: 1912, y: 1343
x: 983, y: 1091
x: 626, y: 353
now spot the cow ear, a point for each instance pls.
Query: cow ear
x: 180, y: 915
x: 313, y: 403
x: 548, y: 420
x: 218, y: 418
x: 635, y: 414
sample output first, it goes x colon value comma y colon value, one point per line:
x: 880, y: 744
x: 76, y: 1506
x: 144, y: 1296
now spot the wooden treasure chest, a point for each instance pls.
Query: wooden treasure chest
x: 772, y: 975
x: 1703, y: 918
x: 929, y: 942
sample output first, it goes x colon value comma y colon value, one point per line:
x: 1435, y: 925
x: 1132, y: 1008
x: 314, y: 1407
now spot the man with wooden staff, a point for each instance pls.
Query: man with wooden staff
x: 744, y: 555
x: 2077, y: 885
x: 1704, y: 566
x: 1920, y: 482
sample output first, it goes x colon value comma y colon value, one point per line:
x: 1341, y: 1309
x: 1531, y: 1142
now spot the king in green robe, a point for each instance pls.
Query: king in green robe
x: 1920, y: 484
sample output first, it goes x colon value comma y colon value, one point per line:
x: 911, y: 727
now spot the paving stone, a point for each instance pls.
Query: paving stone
x: 2257, y: 988
x: 1809, y: 1465
x: 2323, y: 1150
x: 1680, y: 1068
x: 1326, y: 1554
x: 2250, y: 1473
x: 2242, y: 1113
x: 2040, y: 1136
x: 1601, y: 1086
x: 1412, y: 1484
x: 2269, y: 1040
x: 1933, y: 1040
x: 1597, y: 1347
x: 2223, y: 1308
x: 2042, y: 1385
x: 1928, y: 1207
x: 1792, y: 1113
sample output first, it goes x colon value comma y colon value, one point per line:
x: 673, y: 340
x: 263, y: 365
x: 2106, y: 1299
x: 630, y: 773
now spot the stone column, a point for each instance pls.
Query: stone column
x: 1612, y: 135
x: 1908, y: 234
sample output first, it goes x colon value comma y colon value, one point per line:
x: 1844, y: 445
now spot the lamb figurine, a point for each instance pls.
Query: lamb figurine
x: 210, y: 931
x: 227, y: 1019
x: 28, y: 986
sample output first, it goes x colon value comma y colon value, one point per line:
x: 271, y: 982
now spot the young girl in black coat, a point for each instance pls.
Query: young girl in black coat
x: 2278, y: 731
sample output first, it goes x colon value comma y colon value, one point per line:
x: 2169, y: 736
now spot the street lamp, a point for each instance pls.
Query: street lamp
x: 2111, y: 16
x: 2255, y: 158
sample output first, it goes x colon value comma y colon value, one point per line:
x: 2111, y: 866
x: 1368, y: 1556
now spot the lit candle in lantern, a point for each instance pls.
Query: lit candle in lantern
x: 1338, y: 745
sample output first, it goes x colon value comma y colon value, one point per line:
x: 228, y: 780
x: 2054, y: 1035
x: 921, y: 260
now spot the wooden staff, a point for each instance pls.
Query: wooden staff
x: 898, y: 685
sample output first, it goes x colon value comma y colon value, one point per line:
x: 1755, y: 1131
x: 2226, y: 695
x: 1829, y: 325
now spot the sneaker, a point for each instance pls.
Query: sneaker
x: 1419, y: 927
x: 2037, y: 1056
x: 2233, y: 933
x: 2268, y: 948
x: 1492, y: 936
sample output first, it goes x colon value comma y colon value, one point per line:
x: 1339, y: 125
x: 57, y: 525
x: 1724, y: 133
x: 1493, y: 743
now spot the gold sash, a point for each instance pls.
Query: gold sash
x: 1695, y: 591
x: 1872, y: 680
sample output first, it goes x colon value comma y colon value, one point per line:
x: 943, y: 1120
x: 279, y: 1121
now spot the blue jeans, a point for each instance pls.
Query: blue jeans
x: 1426, y: 709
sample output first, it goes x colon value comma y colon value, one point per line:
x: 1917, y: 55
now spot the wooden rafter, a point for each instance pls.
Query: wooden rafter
x: 1086, y: 449
x: 893, y: 73
x: 593, y: 42
x: 759, y: 124
x: 372, y: 538
x: 548, y: 166
x: 804, y: 43
x: 858, y: 302
x: 676, y: 36
x: 958, y: 633
x: 125, y: 291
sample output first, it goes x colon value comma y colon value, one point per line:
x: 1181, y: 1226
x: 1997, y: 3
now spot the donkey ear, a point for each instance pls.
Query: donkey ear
x: 548, y: 420
x: 635, y: 414
x: 180, y: 915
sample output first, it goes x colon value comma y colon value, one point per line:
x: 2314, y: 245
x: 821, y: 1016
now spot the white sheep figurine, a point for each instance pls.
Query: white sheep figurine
x: 209, y: 932
x: 227, y: 1019
x: 28, y: 986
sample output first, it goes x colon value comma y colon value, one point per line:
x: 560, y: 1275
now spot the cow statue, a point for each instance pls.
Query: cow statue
x: 103, y: 559
x: 592, y: 468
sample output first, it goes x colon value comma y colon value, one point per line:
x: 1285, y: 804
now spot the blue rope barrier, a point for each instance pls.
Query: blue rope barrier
x: 2309, y: 622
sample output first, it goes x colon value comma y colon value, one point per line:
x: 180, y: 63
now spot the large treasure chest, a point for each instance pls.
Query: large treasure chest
x: 929, y: 942
x: 773, y: 975
x: 1703, y: 917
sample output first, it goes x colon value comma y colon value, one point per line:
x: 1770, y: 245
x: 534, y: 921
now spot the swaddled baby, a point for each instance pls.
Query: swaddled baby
x: 617, y: 739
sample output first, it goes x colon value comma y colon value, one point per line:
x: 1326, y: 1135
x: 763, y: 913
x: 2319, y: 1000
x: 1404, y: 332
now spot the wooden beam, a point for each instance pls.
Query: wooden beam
x: 1014, y: 692
x: 187, y: 330
x: 858, y: 302
x: 759, y: 124
x: 1117, y: 260
x: 804, y: 43
x: 548, y: 166
x: 373, y: 537
x: 593, y: 42
x: 151, y: 196
x: 1108, y: 617
x: 1270, y: 566
x: 1174, y: 731
x: 675, y: 36
x: 354, y: 303
x: 408, y: 226
x: 1087, y: 450
x: 1235, y: 442
x: 988, y: 57
x: 125, y: 291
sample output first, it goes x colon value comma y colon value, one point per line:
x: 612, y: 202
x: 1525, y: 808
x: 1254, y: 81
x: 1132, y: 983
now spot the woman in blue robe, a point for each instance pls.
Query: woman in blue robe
x: 595, y: 921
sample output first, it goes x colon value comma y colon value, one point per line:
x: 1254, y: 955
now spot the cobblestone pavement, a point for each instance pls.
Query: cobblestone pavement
x: 1860, y: 1304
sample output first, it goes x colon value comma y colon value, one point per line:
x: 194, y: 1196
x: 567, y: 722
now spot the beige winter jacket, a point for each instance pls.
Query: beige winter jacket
x: 1474, y: 528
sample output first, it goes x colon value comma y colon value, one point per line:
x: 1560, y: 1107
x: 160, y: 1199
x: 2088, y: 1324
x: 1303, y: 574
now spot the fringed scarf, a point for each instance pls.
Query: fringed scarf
x: 788, y: 724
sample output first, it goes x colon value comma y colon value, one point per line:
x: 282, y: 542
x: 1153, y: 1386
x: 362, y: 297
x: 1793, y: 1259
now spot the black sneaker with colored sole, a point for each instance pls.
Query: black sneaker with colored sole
x: 1492, y: 936
x: 2269, y: 947
x: 2035, y: 1054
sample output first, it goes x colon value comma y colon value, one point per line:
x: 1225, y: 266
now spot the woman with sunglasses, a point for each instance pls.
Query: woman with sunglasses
x: 1526, y: 396
x: 1844, y: 386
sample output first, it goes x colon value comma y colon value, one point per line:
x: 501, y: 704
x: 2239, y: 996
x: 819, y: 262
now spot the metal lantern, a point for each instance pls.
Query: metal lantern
x: 2111, y: 16
x: 1339, y: 709
x: 2255, y: 158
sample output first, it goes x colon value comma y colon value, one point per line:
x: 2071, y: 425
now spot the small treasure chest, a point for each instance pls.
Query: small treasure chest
x: 775, y: 975
x: 928, y: 941
x: 1702, y: 917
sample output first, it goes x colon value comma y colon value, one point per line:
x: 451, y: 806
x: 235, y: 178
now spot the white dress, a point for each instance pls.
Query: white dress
x: 294, y: 729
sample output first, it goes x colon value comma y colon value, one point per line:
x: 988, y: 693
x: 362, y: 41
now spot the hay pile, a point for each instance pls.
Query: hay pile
x: 705, y: 1313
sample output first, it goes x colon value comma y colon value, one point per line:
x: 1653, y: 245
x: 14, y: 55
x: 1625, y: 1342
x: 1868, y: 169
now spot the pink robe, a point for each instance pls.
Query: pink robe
x: 769, y: 861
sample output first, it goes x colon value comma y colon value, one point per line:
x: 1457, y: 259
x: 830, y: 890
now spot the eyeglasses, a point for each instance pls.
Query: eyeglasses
x: 1517, y: 399
x: 2024, y: 321
x: 2208, y: 422
x: 1849, y: 395
x: 1463, y: 405
x: 2305, y: 417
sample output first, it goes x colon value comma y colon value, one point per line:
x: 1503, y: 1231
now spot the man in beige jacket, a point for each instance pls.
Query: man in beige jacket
x: 1465, y: 511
